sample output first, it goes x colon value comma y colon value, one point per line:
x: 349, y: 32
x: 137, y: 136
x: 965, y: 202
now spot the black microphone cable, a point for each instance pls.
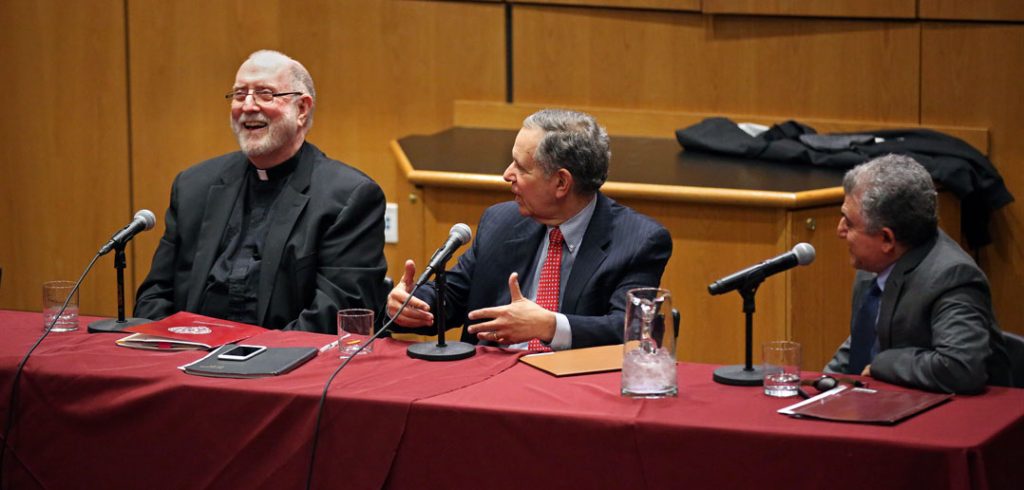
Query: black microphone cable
x: 21, y: 366
x: 323, y: 396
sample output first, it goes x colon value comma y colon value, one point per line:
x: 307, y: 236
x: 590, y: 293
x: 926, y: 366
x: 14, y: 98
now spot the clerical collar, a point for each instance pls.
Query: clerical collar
x: 279, y: 171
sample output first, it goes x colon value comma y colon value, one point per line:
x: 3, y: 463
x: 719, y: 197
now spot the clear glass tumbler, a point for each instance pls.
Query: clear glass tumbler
x: 54, y: 295
x: 355, y: 326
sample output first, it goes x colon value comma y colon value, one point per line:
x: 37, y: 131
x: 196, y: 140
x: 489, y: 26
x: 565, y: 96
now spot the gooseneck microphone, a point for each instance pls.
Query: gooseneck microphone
x: 143, y: 220
x: 802, y: 254
x: 459, y: 235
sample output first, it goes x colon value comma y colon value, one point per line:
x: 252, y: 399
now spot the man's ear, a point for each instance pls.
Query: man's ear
x: 563, y: 182
x: 305, y: 109
x: 888, y: 240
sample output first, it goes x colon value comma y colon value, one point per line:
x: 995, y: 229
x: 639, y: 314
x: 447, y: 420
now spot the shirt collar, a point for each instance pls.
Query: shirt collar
x: 884, y: 276
x: 574, y: 228
x: 279, y: 171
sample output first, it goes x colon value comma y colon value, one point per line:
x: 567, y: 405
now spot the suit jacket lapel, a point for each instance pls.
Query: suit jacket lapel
x: 894, y: 291
x: 220, y: 201
x: 285, y: 214
x: 519, y: 253
x: 591, y: 255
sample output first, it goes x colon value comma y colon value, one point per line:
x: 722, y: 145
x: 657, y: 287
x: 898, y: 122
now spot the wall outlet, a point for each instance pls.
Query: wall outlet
x: 391, y: 223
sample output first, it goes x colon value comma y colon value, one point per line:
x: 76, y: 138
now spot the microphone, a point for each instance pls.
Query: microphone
x: 802, y: 254
x: 459, y: 235
x: 143, y: 220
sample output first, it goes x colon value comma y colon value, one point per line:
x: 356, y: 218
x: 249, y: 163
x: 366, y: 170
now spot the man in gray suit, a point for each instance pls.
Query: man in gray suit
x: 922, y: 312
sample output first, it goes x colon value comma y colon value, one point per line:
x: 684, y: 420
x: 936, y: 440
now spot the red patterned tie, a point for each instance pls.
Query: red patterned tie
x: 550, y: 282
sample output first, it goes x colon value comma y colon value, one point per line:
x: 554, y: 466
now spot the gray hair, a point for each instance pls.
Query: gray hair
x: 897, y: 193
x: 302, y: 80
x: 573, y: 141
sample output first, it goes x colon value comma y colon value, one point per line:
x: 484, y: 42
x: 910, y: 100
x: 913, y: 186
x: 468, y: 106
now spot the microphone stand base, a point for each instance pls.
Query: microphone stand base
x: 112, y: 325
x: 431, y: 351
x: 739, y: 375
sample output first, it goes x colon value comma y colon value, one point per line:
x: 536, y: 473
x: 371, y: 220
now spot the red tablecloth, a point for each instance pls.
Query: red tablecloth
x: 91, y: 414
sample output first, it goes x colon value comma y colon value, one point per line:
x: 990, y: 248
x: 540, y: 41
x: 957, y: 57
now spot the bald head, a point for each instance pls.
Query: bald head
x: 298, y: 75
x: 271, y: 127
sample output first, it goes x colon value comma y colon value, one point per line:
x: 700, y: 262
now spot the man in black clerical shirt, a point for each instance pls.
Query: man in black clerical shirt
x: 277, y: 234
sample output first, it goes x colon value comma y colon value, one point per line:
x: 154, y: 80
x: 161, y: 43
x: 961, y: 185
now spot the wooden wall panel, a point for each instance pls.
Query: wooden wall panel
x: 905, y: 9
x: 64, y: 186
x: 971, y: 10
x: 969, y: 76
x: 689, y: 5
x: 659, y: 124
x: 787, y: 67
x: 382, y: 70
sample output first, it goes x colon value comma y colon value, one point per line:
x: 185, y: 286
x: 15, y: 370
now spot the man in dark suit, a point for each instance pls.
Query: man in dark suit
x: 551, y: 269
x: 277, y: 234
x: 922, y: 313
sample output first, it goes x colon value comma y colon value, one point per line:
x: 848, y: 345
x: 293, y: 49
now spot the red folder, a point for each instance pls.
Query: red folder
x: 184, y: 331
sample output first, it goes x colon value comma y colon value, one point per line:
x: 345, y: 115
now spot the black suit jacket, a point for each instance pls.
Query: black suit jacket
x: 323, y: 250
x: 621, y: 250
x: 936, y: 330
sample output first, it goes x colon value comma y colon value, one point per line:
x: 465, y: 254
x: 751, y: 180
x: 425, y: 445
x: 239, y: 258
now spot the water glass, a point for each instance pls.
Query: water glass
x: 781, y: 368
x: 355, y: 326
x: 649, y: 353
x: 54, y: 295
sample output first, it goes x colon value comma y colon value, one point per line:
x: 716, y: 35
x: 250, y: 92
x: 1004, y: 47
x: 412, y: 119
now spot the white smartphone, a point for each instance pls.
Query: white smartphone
x: 241, y: 352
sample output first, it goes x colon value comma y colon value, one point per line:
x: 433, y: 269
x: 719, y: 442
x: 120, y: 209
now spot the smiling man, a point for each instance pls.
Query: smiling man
x: 276, y: 234
x: 549, y: 270
x: 922, y: 312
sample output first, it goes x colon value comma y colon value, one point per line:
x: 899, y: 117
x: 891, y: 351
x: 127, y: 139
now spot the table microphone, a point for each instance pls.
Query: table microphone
x: 144, y: 220
x: 459, y: 235
x: 802, y: 254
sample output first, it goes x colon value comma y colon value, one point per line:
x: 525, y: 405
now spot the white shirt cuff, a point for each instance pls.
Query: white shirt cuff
x: 562, y: 339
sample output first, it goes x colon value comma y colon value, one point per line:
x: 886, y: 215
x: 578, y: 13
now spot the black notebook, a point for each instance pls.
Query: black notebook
x: 272, y: 362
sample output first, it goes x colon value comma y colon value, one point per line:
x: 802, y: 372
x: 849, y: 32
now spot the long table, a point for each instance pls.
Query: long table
x: 93, y: 415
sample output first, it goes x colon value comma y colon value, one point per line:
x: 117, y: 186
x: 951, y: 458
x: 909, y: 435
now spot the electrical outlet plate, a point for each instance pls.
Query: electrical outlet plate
x: 391, y: 223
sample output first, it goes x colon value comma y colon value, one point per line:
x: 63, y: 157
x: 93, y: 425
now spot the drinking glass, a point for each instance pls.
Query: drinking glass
x: 54, y: 295
x: 781, y: 368
x: 355, y: 326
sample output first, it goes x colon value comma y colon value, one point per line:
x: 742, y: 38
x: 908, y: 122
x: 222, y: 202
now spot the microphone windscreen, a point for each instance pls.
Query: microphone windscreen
x: 148, y: 217
x: 463, y: 231
x: 804, y: 253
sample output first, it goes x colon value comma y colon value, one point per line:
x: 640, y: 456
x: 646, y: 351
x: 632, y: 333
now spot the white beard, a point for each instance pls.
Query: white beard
x: 275, y: 134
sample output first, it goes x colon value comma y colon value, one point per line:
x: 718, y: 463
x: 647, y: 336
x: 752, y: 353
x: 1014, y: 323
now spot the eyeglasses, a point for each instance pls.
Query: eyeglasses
x: 262, y: 95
